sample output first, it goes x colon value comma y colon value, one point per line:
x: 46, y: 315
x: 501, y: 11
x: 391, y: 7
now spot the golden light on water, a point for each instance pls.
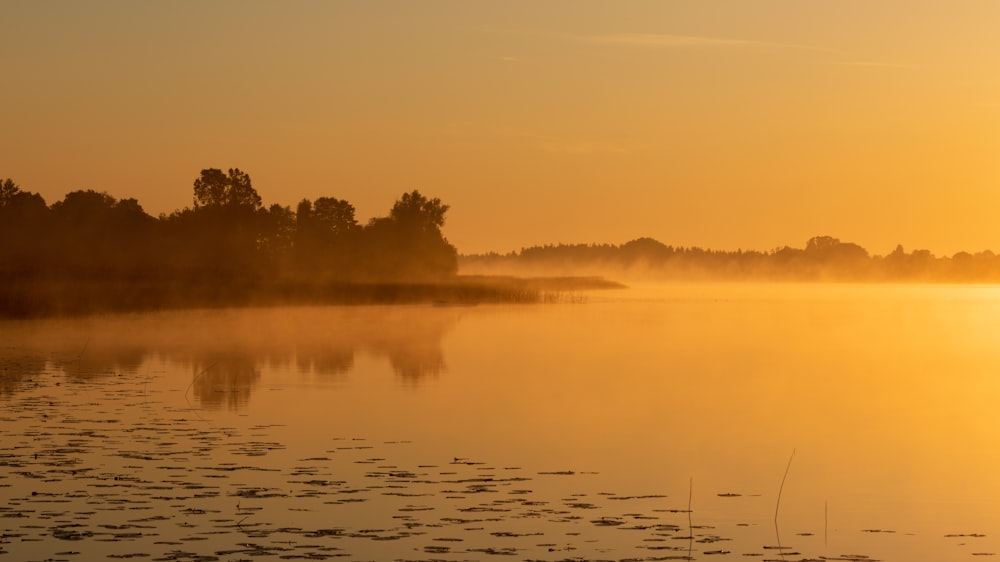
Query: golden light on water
x: 885, y: 393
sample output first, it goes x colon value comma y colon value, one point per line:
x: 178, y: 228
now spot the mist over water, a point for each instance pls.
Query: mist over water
x: 231, y: 347
x: 609, y: 411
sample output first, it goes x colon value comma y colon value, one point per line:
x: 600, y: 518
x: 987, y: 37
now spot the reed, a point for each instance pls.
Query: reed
x: 777, y: 504
x: 690, y: 525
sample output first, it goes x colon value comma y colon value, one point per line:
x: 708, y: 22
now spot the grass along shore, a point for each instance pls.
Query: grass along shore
x: 42, y: 298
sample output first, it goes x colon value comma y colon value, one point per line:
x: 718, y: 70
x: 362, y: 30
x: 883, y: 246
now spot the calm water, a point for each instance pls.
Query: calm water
x: 645, y: 424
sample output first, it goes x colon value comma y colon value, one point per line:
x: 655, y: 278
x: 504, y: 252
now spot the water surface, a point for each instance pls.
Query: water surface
x: 645, y: 424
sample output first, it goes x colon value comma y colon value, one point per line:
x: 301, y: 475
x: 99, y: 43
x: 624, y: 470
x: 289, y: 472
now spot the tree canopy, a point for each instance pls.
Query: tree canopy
x: 215, y: 188
x: 8, y: 189
x: 413, y: 210
x: 227, y: 237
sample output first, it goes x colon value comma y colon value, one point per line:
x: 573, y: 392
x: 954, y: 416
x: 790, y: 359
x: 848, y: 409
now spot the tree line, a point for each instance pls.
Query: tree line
x: 227, y: 242
x: 824, y: 258
x: 91, y: 252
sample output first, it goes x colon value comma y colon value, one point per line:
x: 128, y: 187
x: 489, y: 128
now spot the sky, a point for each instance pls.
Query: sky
x: 719, y: 124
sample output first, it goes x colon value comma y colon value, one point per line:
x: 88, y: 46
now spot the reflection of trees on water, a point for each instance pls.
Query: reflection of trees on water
x: 325, y: 361
x: 413, y: 362
x: 409, y: 337
x: 412, y: 342
x: 228, y: 350
x: 102, y: 360
x: 15, y: 370
x: 24, y: 364
x: 225, y: 381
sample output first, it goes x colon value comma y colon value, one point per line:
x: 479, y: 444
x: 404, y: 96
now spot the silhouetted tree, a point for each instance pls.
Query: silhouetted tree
x: 24, y: 232
x: 414, y: 211
x: 334, y: 216
x: 24, y: 205
x: 645, y: 251
x: 276, y: 236
x: 8, y: 189
x: 408, y: 244
x: 17, y: 205
x: 900, y: 265
x: 219, y: 237
x: 326, y: 237
x: 84, y: 206
x: 217, y: 189
x: 96, y: 233
x: 829, y: 257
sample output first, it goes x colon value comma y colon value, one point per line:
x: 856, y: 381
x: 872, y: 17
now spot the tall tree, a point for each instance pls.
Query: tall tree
x: 325, y: 236
x: 24, y: 231
x: 84, y: 206
x: 214, y: 188
x: 8, y: 189
x: 408, y: 244
x: 95, y: 232
x: 275, y: 238
x: 413, y: 210
x: 335, y: 216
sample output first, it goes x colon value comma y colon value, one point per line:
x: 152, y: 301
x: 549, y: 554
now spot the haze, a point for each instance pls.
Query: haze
x: 716, y: 124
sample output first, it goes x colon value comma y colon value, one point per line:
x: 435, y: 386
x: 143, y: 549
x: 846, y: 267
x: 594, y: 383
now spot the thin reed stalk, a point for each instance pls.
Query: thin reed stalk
x: 690, y: 524
x: 777, y: 504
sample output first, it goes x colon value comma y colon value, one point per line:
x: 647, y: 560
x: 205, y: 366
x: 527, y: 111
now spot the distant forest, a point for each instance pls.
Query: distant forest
x: 824, y: 258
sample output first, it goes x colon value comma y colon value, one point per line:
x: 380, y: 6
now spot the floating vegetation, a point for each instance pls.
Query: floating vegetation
x: 122, y: 478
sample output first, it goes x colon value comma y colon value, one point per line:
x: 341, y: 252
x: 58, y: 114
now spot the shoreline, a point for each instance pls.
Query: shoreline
x: 41, y: 298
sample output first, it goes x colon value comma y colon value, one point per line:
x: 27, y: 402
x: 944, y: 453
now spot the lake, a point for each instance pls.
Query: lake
x: 690, y: 421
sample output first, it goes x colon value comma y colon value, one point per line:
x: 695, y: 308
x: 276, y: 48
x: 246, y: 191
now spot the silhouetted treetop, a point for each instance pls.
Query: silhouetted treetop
x: 415, y: 210
x: 99, y: 209
x: 8, y: 189
x: 20, y: 212
x: 83, y: 205
x: 832, y: 249
x: 334, y: 215
x: 233, y: 189
x: 18, y: 204
x: 24, y: 203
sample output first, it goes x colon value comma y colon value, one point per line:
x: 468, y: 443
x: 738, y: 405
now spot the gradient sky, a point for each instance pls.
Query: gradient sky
x: 721, y: 124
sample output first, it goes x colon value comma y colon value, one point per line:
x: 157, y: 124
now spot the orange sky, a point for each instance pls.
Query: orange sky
x: 718, y: 124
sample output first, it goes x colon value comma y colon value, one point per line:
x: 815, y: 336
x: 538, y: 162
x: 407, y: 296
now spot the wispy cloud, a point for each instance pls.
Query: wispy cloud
x: 670, y: 40
x: 581, y: 147
x: 570, y: 143
x: 554, y: 143
x: 875, y: 64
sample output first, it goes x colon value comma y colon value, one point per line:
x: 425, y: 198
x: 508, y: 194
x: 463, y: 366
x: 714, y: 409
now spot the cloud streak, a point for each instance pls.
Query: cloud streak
x: 658, y: 40
x: 570, y: 144
x: 875, y: 64
x: 581, y: 147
